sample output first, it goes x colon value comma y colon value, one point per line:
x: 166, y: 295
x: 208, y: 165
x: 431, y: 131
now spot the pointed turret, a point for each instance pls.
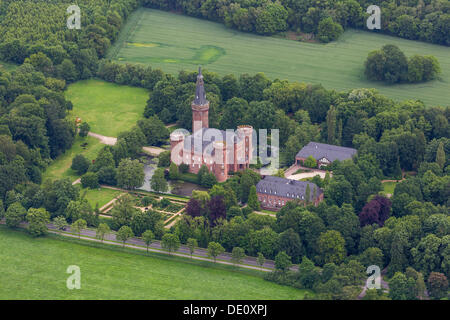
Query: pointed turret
x: 200, y: 93
x: 200, y: 106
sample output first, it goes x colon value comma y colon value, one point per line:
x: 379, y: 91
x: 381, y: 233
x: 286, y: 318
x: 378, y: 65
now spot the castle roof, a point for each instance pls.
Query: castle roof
x: 287, y: 188
x: 207, y: 136
x: 328, y: 151
x: 200, y: 93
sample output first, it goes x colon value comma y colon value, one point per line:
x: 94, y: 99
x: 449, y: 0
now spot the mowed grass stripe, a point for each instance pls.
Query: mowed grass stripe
x: 338, y: 65
x: 35, y: 268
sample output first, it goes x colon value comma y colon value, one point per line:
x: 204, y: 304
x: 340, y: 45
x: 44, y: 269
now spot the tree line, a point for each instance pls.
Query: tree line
x: 416, y: 20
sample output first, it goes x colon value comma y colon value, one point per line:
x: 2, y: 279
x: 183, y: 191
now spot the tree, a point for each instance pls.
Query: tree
x: 80, y: 164
x: 60, y: 223
x: 215, y: 249
x: 423, y: 68
x: 253, y: 199
x: 401, y: 287
x: 79, y: 226
x: 2, y: 210
x: 154, y: 130
x: 123, y: 212
x: 37, y: 221
x: 339, y: 191
x: 148, y: 238
x: 159, y: 183
x: 124, y: 234
x: 216, y: 209
x: 437, y: 285
x: 192, y: 244
x: 426, y: 254
x: 291, y: 244
x: 234, y: 109
x: 331, y: 247
x: 331, y: 125
x: 237, y: 254
x: 208, y: 180
x: 310, y: 162
x: 170, y: 242
x: 260, y: 259
x: 440, y: 155
x: 14, y: 215
x: 376, y: 211
x: 329, y: 30
x: 194, y: 208
x: 84, y: 129
x: 130, y: 174
x: 102, y: 230
x: 388, y: 64
x: 282, y: 261
x: 67, y: 71
x: 164, y: 159
x: 372, y: 256
x: 90, y: 180
x: 173, y: 172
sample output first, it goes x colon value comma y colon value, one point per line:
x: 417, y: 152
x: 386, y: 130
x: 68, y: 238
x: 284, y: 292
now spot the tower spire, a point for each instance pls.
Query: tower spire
x: 200, y: 93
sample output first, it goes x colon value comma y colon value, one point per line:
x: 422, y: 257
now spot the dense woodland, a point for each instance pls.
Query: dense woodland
x: 416, y: 20
x: 356, y: 226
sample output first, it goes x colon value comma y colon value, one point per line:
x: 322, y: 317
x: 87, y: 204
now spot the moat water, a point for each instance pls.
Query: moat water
x: 180, y: 188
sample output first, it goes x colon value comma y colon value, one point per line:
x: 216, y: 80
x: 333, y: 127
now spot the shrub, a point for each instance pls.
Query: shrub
x: 90, y: 180
x: 80, y: 164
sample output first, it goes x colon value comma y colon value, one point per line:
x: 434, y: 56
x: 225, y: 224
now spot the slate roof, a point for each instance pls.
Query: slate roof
x: 208, y: 139
x: 286, y: 188
x: 200, y: 93
x: 322, y: 150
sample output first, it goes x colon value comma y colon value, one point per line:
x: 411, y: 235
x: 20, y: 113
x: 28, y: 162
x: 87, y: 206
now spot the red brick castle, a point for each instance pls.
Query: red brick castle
x: 220, y: 151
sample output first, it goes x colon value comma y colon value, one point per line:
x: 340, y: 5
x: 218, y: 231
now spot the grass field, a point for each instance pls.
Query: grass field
x: 389, y: 187
x: 174, y: 42
x: 101, y: 196
x: 108, y: 108
x: 60, y: 167
x: 36, y: 269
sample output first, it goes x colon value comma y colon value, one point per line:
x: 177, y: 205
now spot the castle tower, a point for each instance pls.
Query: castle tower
x: 200, y: 106
x: 246, y: 132
x: 176, y: 147
x: 221, y: 169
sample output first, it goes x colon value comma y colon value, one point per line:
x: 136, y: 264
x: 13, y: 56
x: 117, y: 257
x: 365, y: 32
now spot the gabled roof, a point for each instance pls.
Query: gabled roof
x: 287, y: 188
x: 328, y: 151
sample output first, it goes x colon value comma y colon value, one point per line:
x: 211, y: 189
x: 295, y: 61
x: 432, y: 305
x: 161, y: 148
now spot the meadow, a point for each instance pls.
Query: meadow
x: 108, y: 108
x: 35, y: 268
x: 60, y: 167
x: 99, y: 196
x: 175, y: 42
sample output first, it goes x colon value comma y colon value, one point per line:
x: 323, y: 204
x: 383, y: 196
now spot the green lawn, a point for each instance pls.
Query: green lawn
x: 36, y: 269
x: 173, y: 42
x: 60, y: 167
x: 101, y: 196
x: 389, y: 187
x: 108, y: 108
